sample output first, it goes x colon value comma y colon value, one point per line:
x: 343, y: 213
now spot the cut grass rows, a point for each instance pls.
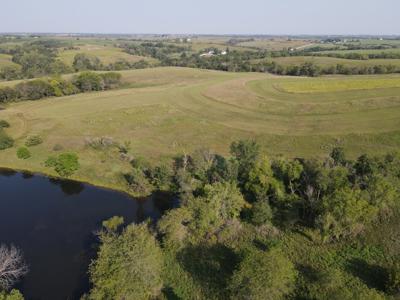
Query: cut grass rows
x: 176, y: 110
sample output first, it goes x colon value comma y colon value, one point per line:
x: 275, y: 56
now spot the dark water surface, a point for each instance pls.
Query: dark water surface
x: 53, y: 222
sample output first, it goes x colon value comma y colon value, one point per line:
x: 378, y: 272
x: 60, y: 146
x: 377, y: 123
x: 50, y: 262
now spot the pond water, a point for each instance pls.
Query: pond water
x: 53, y: 222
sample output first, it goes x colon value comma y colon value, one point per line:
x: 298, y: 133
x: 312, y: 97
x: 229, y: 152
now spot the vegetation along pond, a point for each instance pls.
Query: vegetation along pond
x: 54, y: 222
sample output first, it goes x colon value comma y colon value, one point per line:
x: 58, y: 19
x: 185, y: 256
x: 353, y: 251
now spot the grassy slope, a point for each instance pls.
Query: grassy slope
x: 5, y: 61
x: 172, y: 110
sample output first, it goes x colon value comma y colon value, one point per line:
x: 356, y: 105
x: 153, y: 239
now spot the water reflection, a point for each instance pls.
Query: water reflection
x: 7, y: 172
x: 68, y: 187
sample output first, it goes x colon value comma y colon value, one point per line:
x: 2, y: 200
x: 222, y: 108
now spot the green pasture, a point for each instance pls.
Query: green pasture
x: 166, y: 111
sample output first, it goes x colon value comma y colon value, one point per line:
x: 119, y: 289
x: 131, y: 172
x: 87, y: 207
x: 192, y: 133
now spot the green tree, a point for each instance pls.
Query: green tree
x: 12, y: 295
x: 23, y: 153
x: 260, y: 179
x: 338, y: 156
x: 128, y: 266
x: 65, y: 164
x: 263, y: 276
x: 84, y: 62
x: 246, y: 153
x: 5, y: 141
x: 4, y: 124
x: 344, y: 213
x: 221, y: 202
x: 138, y: 182
x: 261, y: 213
x: 89, y: 81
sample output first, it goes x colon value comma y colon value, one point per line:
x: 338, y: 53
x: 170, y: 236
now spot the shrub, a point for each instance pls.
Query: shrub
x: 138, y: 182
x: 263, y: 275
x: 35, y: 89
x: 50, y: 162
x: 83, y: 62
x: 65, y: 164
x: 261, y: 213
x: 100, y: 142
x: 111, y: 79
x: 5, y: 141
x: 4, y: 124
x: 23, y: 153
x: 33, y: 140
x: 89, y: 81
x: 7, y: 94
x: 58, y: 147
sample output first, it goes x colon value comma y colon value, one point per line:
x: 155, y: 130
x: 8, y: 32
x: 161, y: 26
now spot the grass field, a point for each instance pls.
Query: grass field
x: 106, y: 54
x: 277, y: 44
x: 363, y: 51
x: 174, y: 110
x: 5, y: 61
x: 331, y: 61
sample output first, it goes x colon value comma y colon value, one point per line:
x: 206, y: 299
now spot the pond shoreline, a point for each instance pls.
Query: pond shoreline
x: 77, y: 179
x: 53, y: 220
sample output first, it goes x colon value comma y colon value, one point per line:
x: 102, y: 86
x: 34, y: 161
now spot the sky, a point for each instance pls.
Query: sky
x: 376, y: 17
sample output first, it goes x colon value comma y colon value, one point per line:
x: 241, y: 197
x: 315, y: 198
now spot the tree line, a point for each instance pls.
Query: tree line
x: 41, y: 88
x: 234, y: 234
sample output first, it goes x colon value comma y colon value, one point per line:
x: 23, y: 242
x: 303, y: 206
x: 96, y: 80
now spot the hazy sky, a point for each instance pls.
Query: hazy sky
x: 206, y: 16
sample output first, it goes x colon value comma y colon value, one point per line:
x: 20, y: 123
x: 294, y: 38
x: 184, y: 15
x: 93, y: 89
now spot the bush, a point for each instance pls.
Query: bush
x: 261, y: 213
x: 35, y: 89
x: 5, y: 141
x: 4, y: 124
x: 7, y: 94
x: 138, y: 182
x: 58, y: 147
x: 23, y: 153
x: 33, y: 140
x: 111, y: 79
x: 83, y: 62
x: 263, y: 275
x: 65, y: 164
x: 89, y: 81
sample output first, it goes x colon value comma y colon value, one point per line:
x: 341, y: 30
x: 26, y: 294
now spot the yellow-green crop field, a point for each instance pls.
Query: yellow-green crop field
x: 165, y: 111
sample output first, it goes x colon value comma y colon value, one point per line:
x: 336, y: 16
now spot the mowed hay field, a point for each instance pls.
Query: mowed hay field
x: 332, y: 61
x: 166, y: 111
x: 106, y: 54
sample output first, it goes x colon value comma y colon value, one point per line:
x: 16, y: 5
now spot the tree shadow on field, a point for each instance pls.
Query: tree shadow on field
x: 211, y: 266
x: 169, y: 293
x: 373, y: 276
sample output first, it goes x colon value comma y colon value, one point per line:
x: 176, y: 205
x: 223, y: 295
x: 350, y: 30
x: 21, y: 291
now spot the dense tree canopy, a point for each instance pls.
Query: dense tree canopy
x: 128, y: 266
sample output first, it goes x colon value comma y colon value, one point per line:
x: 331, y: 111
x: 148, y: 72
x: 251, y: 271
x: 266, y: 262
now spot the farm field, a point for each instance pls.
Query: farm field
x: 174, y: 110
x: 277, y: 44
x: 361, y: 51
x: 106, y: 54
x: 332, y: 61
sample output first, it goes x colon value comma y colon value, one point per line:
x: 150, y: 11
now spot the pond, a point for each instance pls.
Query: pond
x: 54, y: 222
